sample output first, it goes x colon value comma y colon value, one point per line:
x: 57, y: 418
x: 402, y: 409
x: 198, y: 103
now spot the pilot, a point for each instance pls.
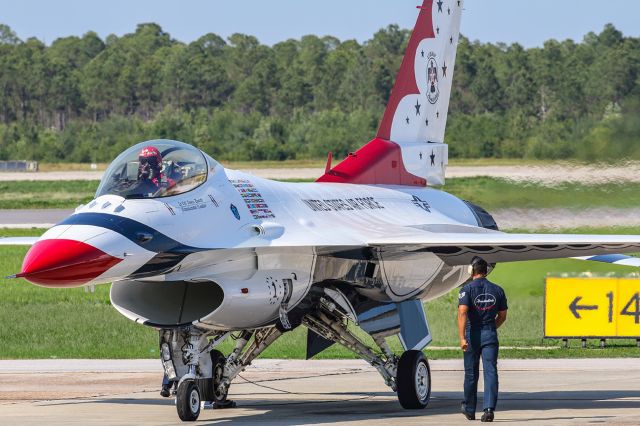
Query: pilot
x: 482, y: 309
x: 150, y: 175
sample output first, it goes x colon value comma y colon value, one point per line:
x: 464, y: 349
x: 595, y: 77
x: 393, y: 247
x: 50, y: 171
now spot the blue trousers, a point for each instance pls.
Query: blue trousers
x: 483, y: 342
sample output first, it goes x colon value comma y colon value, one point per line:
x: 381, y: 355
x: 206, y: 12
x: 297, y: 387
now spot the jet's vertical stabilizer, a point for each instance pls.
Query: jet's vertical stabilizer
x: 409, y: 147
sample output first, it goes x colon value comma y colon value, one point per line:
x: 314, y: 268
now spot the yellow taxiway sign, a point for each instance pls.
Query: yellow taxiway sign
x: 592, y: 307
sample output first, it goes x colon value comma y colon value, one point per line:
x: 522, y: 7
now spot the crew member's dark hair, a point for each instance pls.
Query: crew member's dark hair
x: 479, y: 266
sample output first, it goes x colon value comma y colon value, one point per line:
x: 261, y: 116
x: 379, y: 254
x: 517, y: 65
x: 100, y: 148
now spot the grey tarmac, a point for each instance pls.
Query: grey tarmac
x: 32, y: 218
x: 283, y: 392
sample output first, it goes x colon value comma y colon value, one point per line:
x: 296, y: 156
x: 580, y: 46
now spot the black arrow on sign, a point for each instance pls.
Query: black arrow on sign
x: 574, y: 307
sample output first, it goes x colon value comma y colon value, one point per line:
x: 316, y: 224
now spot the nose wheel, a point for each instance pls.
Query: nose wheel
x: 188, y: 401
x: 413, y: 380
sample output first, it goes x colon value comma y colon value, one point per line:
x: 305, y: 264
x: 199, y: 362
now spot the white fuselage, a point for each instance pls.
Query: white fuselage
x: 253, y: 237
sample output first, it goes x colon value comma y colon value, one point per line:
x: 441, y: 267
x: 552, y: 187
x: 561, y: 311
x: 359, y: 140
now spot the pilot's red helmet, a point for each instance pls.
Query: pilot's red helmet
x: 151, y: 155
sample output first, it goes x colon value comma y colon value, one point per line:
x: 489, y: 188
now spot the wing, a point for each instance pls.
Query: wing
x: 458, y: 248
x: 18, y: 241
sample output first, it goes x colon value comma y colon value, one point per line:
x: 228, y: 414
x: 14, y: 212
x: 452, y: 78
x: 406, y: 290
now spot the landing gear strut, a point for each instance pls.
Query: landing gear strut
x: 333, y: 326
x: 207, y: 378
x: 409, y: 376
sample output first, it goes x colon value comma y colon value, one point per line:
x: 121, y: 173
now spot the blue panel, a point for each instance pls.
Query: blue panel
x: 374, y: 312
x: 608, y: 258
x: 414, y: 329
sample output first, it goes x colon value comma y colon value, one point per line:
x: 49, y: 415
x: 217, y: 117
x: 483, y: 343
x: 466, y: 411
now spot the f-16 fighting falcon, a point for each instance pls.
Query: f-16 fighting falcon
x: 203, y: 253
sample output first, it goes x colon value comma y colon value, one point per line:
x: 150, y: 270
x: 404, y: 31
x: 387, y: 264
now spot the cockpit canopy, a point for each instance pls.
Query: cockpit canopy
x: 152, y: 169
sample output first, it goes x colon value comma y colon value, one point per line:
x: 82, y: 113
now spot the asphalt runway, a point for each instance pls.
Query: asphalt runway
x: 277, y: 392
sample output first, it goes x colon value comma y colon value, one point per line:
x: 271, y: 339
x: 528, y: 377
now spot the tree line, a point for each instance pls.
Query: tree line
x: 85, y: 99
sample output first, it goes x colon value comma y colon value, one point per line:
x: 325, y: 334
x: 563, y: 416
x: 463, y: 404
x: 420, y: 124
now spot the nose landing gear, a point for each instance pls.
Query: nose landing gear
x: 188, y: 401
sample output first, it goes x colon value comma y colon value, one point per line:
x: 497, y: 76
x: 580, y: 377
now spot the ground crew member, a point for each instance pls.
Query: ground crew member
x: 482, y: 309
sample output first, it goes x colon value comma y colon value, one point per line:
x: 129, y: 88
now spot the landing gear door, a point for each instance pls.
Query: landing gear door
x: 414, y: 327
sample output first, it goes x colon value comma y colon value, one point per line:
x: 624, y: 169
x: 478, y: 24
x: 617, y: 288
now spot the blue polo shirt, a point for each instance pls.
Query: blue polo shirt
x: 484, y: 299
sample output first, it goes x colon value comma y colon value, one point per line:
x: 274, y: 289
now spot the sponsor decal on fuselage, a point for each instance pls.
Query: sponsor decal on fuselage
x: 195, y: 204
x: 343, y: 204
x: 256, y: 204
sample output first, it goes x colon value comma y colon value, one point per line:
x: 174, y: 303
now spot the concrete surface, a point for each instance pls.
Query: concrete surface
x: 277, y: 392
x: 32, y: 218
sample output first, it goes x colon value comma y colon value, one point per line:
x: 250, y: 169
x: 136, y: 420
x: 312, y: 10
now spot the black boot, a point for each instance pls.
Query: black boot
x: 487, y: 416
x: 463, y: 410
x: 166, y: 390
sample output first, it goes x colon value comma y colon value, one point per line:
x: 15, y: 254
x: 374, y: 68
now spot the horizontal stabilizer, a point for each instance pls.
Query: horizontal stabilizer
x: 615, y: 259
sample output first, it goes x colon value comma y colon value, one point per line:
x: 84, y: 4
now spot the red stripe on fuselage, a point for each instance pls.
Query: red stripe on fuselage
x: 377, y: 163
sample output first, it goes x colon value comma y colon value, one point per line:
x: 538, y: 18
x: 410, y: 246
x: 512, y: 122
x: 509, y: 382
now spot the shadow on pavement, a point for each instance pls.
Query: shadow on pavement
x: 361, y: 406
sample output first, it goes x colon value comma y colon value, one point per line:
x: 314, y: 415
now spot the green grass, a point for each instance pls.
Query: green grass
x: 46, y: 194
x: 72, y: 323
x: 494, y: 194
x: 490, y: 193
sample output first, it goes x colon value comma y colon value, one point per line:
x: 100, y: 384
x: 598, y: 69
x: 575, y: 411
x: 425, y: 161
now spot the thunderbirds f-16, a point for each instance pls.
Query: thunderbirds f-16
x: 203, y: 253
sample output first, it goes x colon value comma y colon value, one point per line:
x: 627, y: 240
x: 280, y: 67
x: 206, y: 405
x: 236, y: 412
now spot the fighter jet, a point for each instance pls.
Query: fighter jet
x: 203, y: 253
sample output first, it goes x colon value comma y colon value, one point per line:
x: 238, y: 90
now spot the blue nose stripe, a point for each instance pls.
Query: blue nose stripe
x: 139, y: 233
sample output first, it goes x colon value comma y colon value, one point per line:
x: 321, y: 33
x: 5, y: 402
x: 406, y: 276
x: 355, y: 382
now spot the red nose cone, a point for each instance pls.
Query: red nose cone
x: 64, y: 263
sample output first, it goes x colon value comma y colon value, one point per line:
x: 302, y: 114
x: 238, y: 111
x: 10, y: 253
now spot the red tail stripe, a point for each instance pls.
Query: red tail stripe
x: 406, y: 79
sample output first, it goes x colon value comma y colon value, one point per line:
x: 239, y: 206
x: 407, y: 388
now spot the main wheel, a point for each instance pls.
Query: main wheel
x: 413, y: 380
x: 218, y: 360
x: 188, y: 401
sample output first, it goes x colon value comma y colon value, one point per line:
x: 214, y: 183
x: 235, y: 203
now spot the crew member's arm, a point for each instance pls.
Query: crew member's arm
x: 502, y: 310
x: 464, y: 301
x: 463, y: 315
x: 501, y: 318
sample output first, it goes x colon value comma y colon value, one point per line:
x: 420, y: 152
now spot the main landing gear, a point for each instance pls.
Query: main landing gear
x: 413, y: 380
x: 409, y: 376
x: 204, y: 374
